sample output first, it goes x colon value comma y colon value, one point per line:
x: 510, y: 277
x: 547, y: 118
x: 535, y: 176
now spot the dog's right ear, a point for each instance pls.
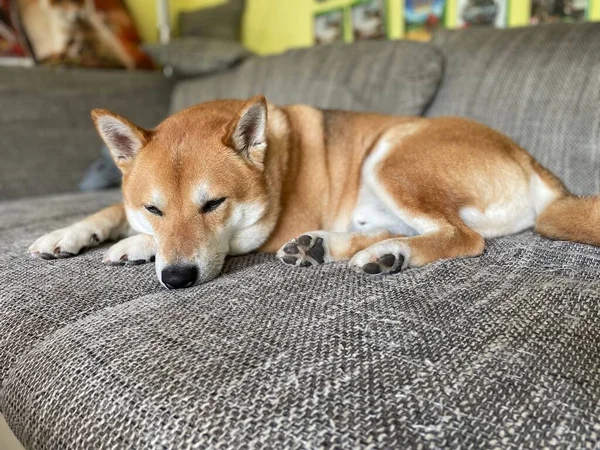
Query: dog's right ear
x: 123, y: 138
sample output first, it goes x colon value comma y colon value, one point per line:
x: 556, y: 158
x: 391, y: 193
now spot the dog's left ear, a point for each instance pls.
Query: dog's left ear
x: 247, y: 132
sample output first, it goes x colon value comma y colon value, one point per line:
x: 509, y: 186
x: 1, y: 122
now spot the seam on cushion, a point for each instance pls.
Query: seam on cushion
x: 441, y: 77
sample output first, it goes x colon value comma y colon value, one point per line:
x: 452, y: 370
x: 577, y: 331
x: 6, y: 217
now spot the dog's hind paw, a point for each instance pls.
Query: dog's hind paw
x: 64, y: 243
x: 307, y: 250
x: 134, y: 250
x: 380, y: 259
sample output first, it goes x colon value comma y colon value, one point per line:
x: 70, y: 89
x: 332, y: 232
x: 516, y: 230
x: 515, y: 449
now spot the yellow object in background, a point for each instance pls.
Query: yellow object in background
x: 273, y: 26
x: 594, y: 13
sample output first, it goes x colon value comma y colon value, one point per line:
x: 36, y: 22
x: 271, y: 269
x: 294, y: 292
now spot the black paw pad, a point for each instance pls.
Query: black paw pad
x: 137, y: 262
x: 289, y: 259
x: 290, y: 249
x: 304, y: 240
x: 47, y: 256
x: 387, y: 260
x: 317, y: 252
x: 371, y: 268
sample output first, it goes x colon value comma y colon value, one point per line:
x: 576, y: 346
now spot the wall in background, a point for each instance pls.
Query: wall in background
x: 273, y: 26
x: 144, y: 14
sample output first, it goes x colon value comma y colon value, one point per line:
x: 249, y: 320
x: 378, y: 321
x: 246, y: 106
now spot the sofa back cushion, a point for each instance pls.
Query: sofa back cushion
x: 389, y: 77
x: 48, y: 138
x: 539, y: 85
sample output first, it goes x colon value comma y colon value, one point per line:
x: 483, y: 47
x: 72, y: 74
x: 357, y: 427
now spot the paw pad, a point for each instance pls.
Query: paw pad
x: 385, y: 264
x: 305, y: 251
x: 125, y: 261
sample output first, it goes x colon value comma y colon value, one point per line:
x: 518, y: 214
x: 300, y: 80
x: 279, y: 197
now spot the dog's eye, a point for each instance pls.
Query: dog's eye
x: 153, y: 210
x: 211, y: 205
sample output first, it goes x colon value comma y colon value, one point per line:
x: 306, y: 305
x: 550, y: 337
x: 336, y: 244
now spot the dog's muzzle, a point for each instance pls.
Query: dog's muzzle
x: 179, y: 277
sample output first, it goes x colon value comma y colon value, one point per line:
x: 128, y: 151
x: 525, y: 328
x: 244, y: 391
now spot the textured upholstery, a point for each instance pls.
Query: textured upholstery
x: 48, y: 138
x: 539, y: 85
x: 499, y: 351
x: 194, y: 56
x: 385, y: 77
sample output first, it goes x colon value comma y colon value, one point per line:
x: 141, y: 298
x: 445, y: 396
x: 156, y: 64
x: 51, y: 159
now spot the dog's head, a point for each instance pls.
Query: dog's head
x: 196, y: 183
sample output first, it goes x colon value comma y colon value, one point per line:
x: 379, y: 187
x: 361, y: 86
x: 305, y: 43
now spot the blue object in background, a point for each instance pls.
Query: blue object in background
x: 418, y: 11
x: 102, y: 174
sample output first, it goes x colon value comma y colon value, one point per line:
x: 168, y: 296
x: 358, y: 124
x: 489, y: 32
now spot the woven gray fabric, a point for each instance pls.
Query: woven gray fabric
x: 500, y: 351
x: 193, y: 56
x: 395, y: 77
x: 48, y: 138
x: 538, y: 85
x: 36, y: 298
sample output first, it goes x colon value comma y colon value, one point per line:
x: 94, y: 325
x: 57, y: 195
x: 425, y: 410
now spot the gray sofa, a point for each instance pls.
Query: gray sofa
x: 500, y: 351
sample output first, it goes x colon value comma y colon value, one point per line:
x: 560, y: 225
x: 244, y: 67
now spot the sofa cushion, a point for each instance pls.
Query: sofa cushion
x: 496, y: 351
x: 194, y: 56
x: 38, y: 297
x: 540, y: 85
x: 389, y: 77
x: 48, y: 139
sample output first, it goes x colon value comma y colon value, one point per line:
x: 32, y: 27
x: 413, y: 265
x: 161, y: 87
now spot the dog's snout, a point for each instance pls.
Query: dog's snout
x: 178, y: 277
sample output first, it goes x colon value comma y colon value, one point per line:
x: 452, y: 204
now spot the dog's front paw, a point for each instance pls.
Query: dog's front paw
x: 380, y: 259
x: 305, y: 251
x: 134, y: 250
x: 64, y: 243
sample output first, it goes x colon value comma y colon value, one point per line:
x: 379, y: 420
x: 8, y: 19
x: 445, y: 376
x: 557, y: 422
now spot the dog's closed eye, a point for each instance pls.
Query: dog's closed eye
x: 211, y: 205
x: 153, y: 210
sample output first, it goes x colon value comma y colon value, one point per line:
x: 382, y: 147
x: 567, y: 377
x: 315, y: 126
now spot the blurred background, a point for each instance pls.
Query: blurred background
x: 146, y: 59
x: 123, y: 33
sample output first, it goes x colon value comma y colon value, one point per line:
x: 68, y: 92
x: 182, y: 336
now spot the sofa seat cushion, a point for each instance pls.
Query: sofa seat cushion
x: 496, y: 351
x: 39, y: 297
x: 395, y: 77
x: 539, y: 85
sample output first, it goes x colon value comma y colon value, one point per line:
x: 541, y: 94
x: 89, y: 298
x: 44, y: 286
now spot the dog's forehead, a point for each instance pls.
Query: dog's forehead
x: 205, y: 118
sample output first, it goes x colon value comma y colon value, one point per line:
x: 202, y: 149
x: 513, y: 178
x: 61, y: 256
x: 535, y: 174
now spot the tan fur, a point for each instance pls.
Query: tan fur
x: 346, y: 248
x: 571, y: 219
x: 430, y: 173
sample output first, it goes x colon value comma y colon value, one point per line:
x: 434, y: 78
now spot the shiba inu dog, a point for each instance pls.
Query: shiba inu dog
x: 387, y: 193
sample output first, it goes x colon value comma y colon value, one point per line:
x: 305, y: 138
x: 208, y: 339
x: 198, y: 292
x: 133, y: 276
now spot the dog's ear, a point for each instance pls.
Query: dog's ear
x: 247, y: 132
x: 123, y: 138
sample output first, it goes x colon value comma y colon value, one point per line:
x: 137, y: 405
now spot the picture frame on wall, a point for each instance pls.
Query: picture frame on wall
x: 369, y: 19
x: 422, y: 17
x: 552, y: 11
x: 493, y: 13
x: 329, y: 27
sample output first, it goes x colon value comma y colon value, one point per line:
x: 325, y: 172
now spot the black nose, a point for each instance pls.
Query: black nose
x: 178, y: 277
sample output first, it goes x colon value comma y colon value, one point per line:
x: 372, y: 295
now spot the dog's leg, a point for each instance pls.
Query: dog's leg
x: 396, y: 254
x: 134, y: 250
x: 318, y: 247
x: 108, y: 224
